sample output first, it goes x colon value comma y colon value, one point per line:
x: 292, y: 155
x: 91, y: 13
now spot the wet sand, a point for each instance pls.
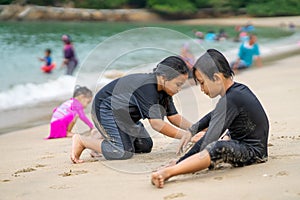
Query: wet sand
x: 33, y: 168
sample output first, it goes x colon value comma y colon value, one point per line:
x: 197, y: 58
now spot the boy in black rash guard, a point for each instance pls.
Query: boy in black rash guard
x: 119, y: 106
x: 238, y: 111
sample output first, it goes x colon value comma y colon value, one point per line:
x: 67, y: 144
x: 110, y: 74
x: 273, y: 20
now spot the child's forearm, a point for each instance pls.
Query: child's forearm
x: 180, y: 121
x: 166, y: 128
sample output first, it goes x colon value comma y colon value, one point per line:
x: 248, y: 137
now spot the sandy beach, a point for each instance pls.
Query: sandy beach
x: 33, y: 168
x: 242, y: 20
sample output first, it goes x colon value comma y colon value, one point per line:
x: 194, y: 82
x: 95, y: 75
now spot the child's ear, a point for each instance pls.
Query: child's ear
x: 216, y: 77
x: 164, y: 78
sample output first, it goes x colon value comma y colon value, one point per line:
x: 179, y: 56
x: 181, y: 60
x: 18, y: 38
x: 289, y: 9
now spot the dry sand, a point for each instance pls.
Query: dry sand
x: 243, y: 20
x: 33, y: 168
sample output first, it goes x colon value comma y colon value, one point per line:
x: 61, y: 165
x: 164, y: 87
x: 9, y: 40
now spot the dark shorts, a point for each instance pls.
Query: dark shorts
x: 231, y: 151
x: 119, y: 144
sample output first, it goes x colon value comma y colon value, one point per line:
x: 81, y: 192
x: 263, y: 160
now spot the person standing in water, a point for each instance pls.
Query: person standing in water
x: 70, y: 60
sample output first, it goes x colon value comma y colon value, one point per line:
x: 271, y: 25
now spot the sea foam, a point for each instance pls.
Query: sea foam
x: 30, y: 94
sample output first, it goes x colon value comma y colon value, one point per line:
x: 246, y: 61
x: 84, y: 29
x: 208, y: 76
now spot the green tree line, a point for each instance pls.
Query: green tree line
x: 184, y: 8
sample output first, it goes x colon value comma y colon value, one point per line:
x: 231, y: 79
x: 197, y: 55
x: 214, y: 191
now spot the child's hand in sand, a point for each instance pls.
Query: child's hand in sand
x: 198, y: 136
x: 185, y: 139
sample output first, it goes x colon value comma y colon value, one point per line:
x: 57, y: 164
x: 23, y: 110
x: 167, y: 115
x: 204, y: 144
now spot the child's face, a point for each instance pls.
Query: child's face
x: 173, y: 86
x: 209, y: 87
x: 85, y: 101
x: 47, y: 53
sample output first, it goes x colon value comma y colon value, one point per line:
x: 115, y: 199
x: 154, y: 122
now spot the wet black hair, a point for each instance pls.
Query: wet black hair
x: 211, y: 62
x: 48, y: 51
x: 82, y: 90
x: 171, y: 67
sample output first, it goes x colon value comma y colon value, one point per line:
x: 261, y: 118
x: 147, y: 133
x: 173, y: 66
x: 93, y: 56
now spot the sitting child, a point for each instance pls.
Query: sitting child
x: 65, y: 116
x: 238, y: 111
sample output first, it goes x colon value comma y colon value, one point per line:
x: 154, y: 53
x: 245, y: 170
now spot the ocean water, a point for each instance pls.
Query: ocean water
x: 104, y: 50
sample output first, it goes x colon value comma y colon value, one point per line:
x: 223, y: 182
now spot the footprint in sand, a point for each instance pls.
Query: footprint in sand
x: 40, y: 165
x: 174, y: 195
x: 219, y: 178
x: 47, y: 156
x: 270, y: 144
x: 25, y: 170
x: 282, y: 173
x: 28, y: 169
x: 5, y: 180
x: 59, y: 187
x: 73, y: 173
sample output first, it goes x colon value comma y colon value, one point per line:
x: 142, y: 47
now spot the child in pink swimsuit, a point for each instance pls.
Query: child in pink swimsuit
x: 65, y: 116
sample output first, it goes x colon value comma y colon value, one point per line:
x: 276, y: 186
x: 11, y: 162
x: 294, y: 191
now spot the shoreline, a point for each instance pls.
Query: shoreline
x: 47, y: 13
x: 15, y: 12
x: 40, y: 113
x: 26, y: 117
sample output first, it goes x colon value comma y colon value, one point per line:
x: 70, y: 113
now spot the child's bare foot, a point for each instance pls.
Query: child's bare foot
x: 158, y: 179
x: 77, y: 148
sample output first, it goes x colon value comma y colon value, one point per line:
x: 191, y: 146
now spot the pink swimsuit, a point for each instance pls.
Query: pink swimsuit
x: 64, y: 115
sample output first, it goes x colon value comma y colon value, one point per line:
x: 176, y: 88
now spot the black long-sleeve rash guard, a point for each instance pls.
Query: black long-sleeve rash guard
x: 241, y: 113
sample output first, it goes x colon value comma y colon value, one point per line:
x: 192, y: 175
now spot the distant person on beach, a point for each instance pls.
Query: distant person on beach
x: 292, y: 26
x: 248, y: 27
x: 65, y: 115
x: 210, y: 36
x: 188, y: 57
x: 49, y: 65
x: 222, y: 35
x: 120, y: 105
x: 248, y: 52
x: 237, y: 129
x: 198, y: 34
x: 70, y: 60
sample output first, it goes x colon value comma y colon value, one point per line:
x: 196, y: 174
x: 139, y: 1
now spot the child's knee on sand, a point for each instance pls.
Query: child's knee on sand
x: 112, y: 152
x: 143, y: 145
